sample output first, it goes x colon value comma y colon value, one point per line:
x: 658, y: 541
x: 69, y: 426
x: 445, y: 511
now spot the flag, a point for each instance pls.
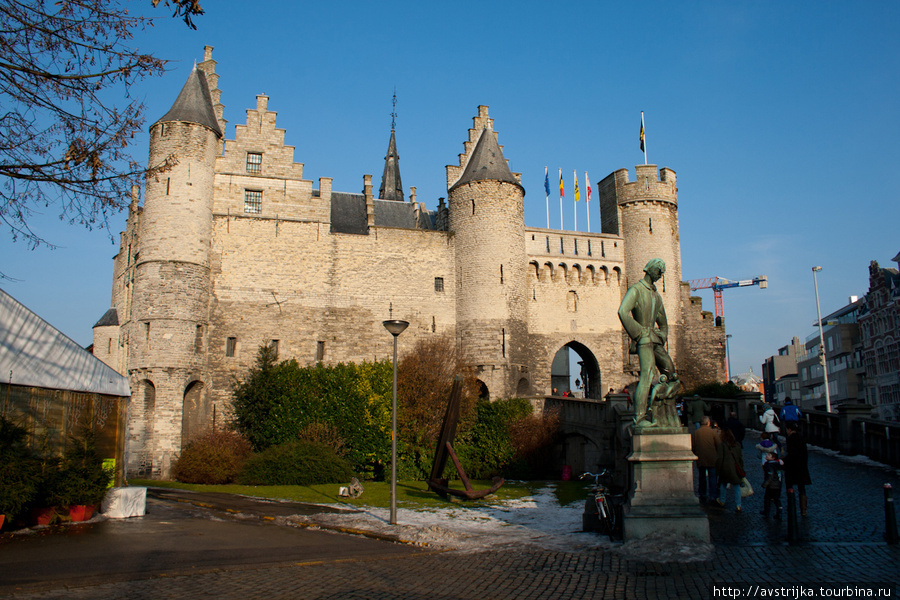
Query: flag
x: 642, y: 132
x: 587, y: 182
x: 562, y: 189
x: 577, y: 193
x: 546, y: 181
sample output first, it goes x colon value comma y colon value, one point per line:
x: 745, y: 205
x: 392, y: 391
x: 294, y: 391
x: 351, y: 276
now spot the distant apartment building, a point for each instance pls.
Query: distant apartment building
x: 780, y: 380
x: 879, y: 327
x: 842, y: 354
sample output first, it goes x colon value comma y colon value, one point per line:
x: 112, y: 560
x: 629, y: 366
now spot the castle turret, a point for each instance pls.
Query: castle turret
x: 645, y: 213
x: 169, y: 317
x: 486, y: 215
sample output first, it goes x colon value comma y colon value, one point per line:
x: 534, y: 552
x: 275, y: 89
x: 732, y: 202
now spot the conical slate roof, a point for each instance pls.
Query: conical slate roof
x: 194, y: 104
x: 487, y: 162
x: 391, y: 185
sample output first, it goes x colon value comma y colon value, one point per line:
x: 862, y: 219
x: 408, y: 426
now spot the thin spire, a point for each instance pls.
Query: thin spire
x: 391, y: 184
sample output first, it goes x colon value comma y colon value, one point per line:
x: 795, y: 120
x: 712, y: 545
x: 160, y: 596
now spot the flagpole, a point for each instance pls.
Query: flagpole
x: 643, y: 138
x: 587, y: 185
x: 561, y: 194
x: 547, y: 190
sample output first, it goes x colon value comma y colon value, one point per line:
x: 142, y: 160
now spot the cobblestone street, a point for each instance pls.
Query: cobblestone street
x: 842, y: 544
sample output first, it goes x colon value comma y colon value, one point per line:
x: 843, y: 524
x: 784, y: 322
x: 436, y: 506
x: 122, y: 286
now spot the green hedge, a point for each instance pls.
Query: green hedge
x: 295, y: 463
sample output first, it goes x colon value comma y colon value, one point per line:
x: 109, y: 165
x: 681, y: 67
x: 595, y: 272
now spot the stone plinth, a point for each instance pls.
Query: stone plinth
x: 662, y: 499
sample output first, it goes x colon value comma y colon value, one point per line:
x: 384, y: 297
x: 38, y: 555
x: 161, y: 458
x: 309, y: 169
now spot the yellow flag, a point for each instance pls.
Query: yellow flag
x: 577, y: 193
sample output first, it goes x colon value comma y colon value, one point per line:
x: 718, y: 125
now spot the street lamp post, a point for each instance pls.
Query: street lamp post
x: 823, y: 359
x: 395, y: 327
x: 728, y: 357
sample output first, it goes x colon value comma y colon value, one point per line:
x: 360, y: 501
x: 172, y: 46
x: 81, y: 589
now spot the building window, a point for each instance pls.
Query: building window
x: 439, y: 284
x: 253, y: 201
x: 503, y: 342
x: 320, y: 351
x: 254, y: 162
x: 198, y: 339
x: 274, y: 346
x: 230, y: 346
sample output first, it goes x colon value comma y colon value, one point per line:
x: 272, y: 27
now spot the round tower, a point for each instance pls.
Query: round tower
x: 645, y: 213
x: 170, y: 306
x: 486, y: 215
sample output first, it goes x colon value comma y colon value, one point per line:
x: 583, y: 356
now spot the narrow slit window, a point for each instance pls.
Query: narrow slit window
x: 230, y: 346
x: 320, y: 351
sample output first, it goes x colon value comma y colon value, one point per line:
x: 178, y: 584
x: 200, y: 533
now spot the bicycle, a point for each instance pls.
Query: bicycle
x: 603, y: 510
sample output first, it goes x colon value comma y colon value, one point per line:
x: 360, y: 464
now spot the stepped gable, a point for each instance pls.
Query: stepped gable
x: 194, y: 104
x: 487, y: 162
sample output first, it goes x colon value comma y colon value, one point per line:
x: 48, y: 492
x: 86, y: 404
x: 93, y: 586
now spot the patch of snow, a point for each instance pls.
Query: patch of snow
x: 536, y: 520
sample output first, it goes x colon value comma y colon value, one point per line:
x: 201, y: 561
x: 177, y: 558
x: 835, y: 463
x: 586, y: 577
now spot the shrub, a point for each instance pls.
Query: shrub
x: 80, y: 478
x: 214, y: 458
x: 347, y: 404
x: 20, y: 471
x: 295, y: 463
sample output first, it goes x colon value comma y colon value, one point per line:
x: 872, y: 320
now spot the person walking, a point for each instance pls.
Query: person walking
x: 705, y: 443
x: 736, y: 427
x: 772, y: 468
x: 697, y: 407
x: 730, y: 469
x: 769, y: 420
x: 790, y: 413
x: 796, y: 464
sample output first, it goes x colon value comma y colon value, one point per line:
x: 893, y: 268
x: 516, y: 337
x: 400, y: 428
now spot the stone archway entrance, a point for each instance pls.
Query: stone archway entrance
x: 583, y: 368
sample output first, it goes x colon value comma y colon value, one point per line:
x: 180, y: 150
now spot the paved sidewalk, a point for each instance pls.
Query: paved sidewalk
x: 842, y: 545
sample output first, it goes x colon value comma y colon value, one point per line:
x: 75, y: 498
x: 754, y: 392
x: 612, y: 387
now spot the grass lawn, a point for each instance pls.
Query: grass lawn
x: 412, y: 495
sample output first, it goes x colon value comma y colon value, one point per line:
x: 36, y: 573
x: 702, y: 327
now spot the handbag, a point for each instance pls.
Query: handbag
x: 746, y: 488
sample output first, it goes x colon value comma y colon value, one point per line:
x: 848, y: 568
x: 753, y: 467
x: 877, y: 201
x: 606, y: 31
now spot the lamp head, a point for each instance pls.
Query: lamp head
x: 395, y: 326
x: 816, y: 269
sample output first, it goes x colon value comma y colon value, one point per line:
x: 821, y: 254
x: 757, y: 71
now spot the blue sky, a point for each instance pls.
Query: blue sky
x: 780, y: 119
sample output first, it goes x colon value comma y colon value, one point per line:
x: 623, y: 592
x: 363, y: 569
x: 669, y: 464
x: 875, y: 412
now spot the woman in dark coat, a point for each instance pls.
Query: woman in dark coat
x: 729, y: 468
x: 796, y: 464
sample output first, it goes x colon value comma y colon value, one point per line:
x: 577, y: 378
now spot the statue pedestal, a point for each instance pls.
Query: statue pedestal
x: 662, y: 500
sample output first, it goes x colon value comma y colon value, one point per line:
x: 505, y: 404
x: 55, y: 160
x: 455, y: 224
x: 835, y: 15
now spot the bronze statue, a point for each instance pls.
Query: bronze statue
x: 641, y: 312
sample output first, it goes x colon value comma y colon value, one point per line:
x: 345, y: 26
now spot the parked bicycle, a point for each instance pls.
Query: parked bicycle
x: 603, y: 510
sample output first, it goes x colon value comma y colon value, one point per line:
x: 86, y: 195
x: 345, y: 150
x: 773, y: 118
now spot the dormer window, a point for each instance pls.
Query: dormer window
x: 254, y: 162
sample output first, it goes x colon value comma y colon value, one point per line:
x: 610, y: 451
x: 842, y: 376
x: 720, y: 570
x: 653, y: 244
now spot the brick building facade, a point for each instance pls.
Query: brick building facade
x: 232, y: 248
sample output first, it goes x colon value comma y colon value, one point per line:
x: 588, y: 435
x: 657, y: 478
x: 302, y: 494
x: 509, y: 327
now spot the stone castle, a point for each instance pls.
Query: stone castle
x: 232, y: 248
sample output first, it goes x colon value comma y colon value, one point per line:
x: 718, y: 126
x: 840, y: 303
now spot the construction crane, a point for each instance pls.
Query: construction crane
x: 717, y: 284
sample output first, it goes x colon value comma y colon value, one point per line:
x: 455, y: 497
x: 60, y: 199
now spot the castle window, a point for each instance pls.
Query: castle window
x: 576, y: 246
x: 589, y: 249
x: 439, y: 284
x: 253, y: 201
x: 320, y: 351
x: 503, y: 342
x: 650, y: 224
x: 198, y: 339
x: 548, y: 244
x: 164, y: 130
x: 254, y: 162
x: 572, y: 301
x: 274, y: 346
x: 602, y: 249
x: 501, y: 274
x: 230, y: 346
x: 433, y: 325
x: 562, y: 246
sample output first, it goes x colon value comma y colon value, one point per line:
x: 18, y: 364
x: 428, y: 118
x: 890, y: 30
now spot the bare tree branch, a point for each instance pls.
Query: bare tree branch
x: 63, y: 143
